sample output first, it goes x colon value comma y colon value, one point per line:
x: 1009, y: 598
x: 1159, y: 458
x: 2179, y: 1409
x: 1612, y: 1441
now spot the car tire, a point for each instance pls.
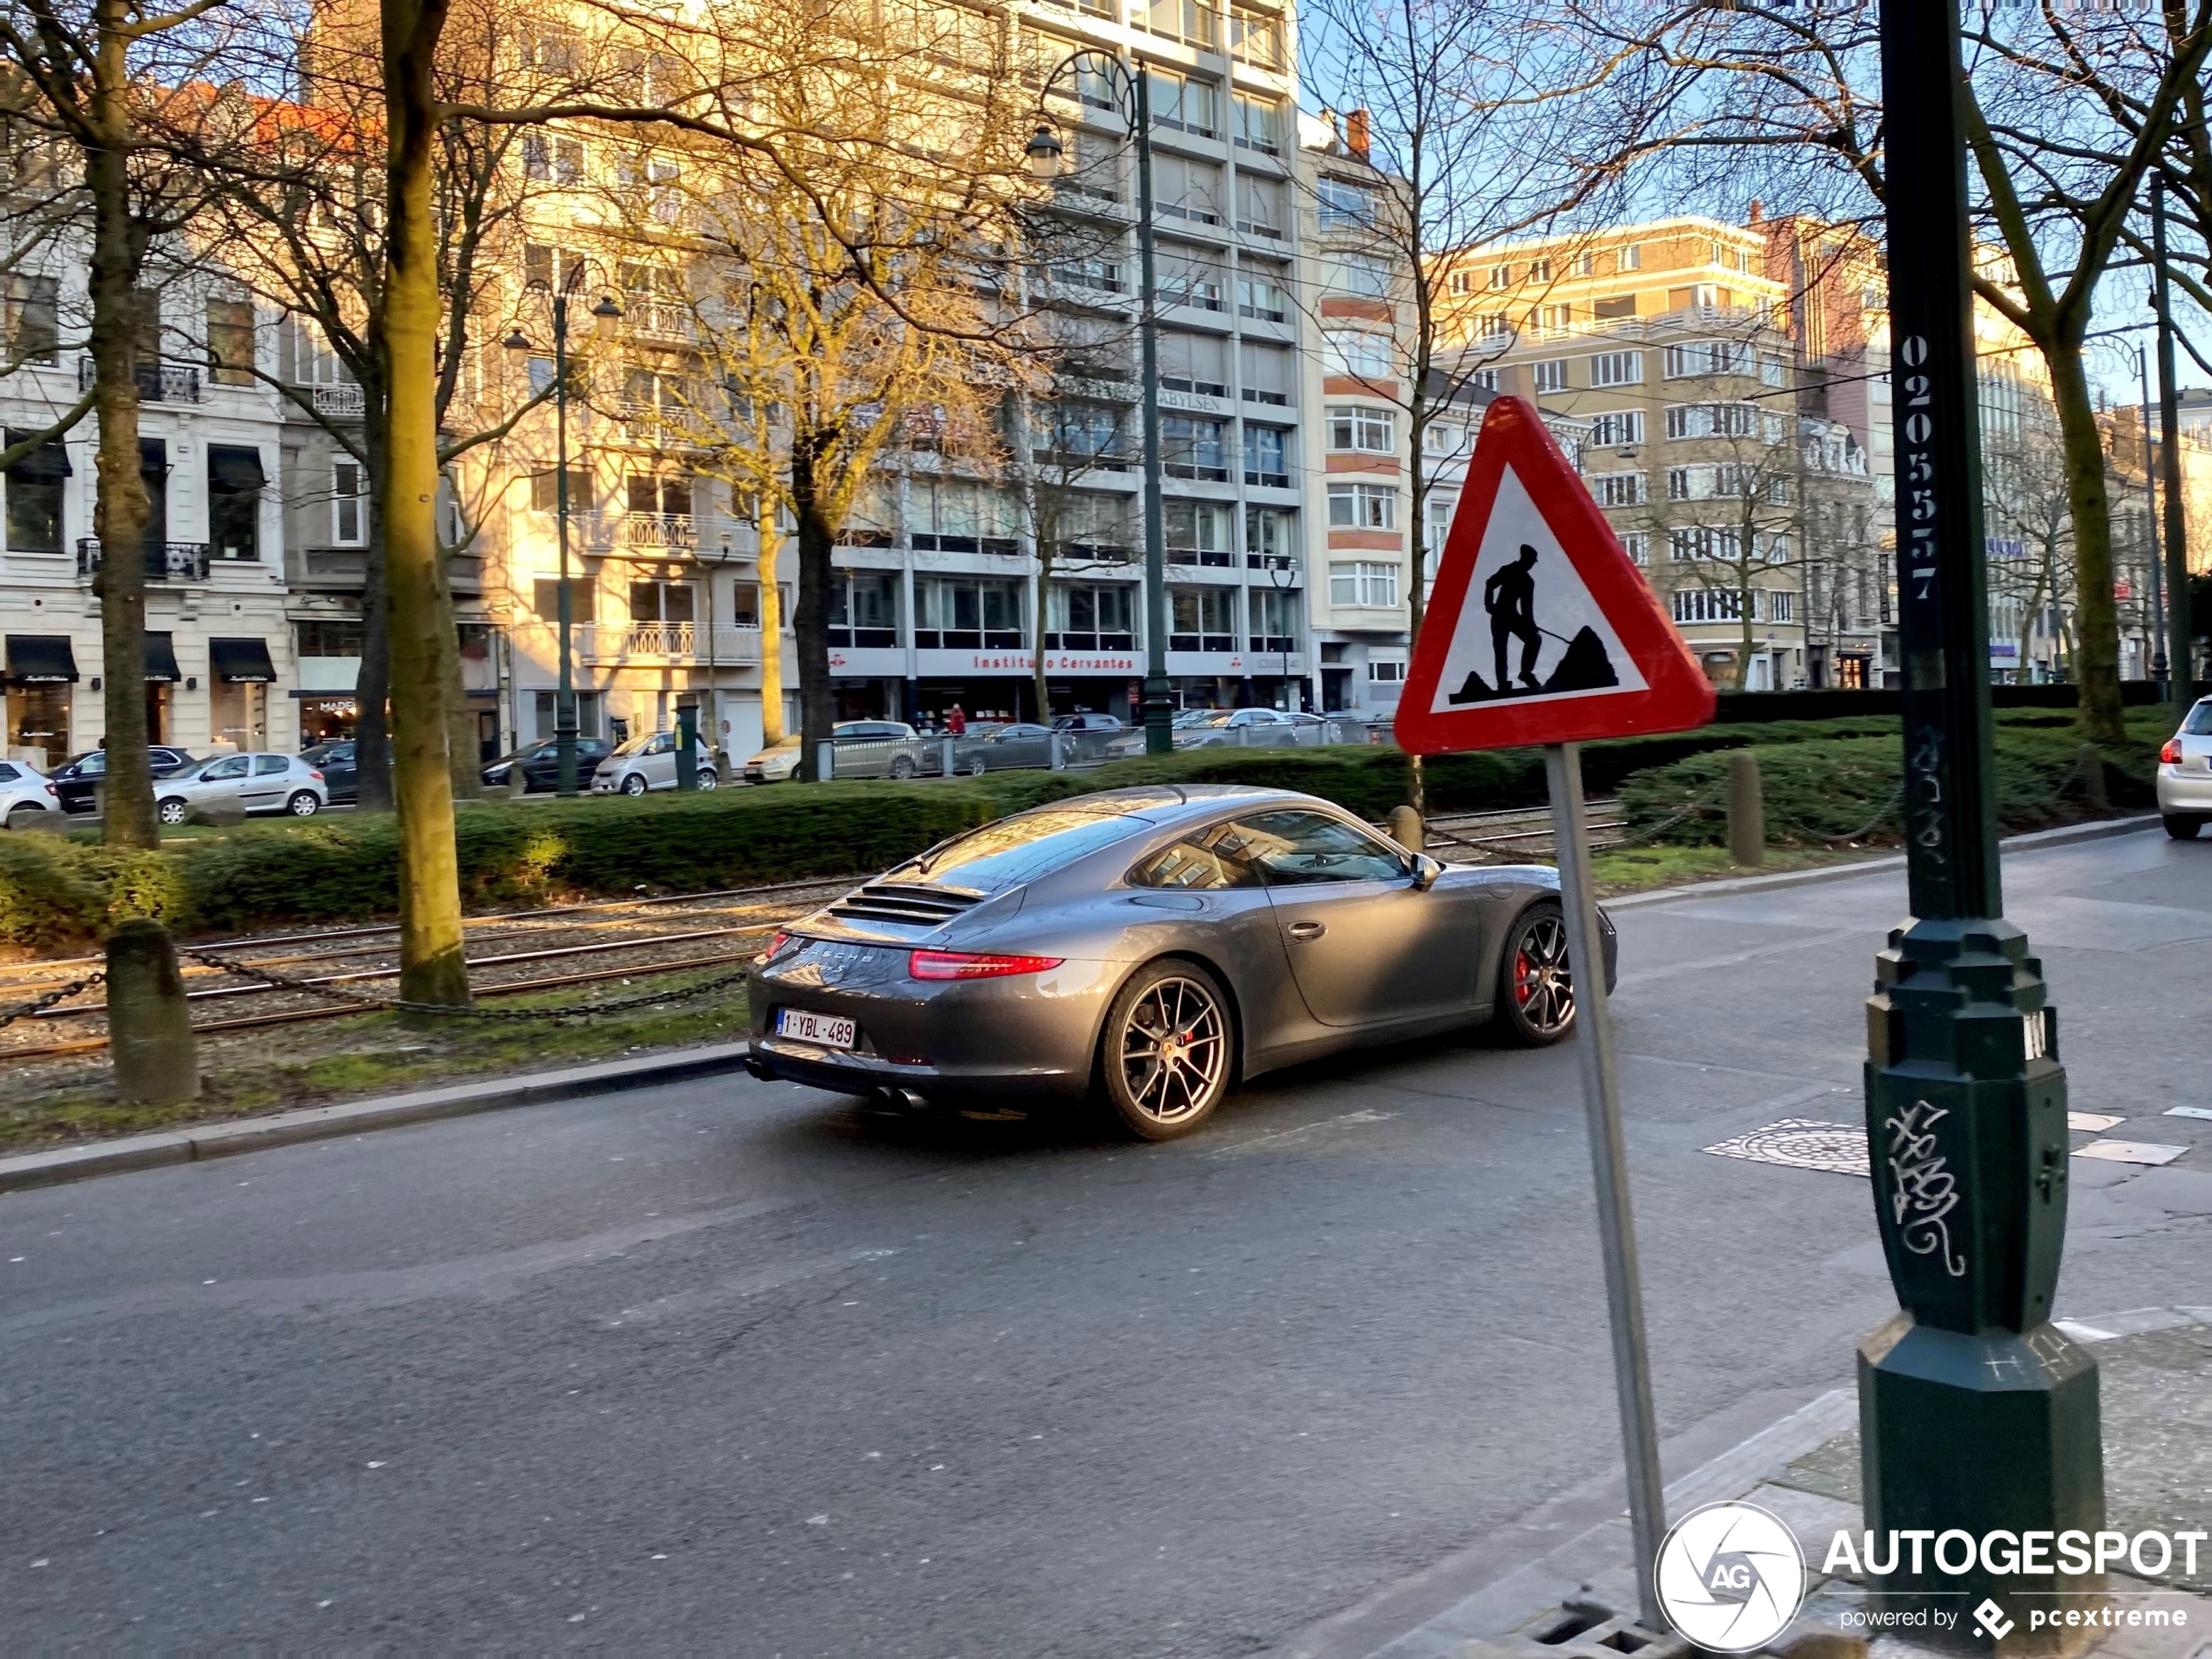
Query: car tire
x: 902, y: 767
x: 976, y: 766
x: 2184, y: 826
x: 634, y: 784
x: 303, y: 804
x: 709, y: 779
x: 1169, y: 1001
x: 1535, y: 990
x: 170, y: 812
x: 23, y: 816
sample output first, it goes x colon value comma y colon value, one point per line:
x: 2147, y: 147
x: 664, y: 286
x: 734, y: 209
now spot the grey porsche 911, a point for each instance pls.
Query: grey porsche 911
x: 1153, y: 947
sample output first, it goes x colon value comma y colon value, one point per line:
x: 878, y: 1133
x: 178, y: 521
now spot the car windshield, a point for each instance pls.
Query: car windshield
x: 2199, y: 725
x: 1018, y: 849
x: 635, y: 743
x: 1219, y: 716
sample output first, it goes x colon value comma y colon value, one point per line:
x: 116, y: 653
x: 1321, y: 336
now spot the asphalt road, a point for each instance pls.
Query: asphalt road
x: 737, y: 1368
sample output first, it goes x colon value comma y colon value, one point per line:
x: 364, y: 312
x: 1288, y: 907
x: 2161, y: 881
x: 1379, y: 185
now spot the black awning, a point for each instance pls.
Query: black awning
x: 49, y: 463
x: 234, y: 468
x: 241, y: 662
x: 161, y: 658
x: 41, y: 659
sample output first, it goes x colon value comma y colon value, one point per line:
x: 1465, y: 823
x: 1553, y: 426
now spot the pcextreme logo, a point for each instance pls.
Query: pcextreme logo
x: 1730, y: 1576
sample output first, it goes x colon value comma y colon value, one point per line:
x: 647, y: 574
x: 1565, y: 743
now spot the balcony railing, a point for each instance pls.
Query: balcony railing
x: 630, y: 641
x: 655, y: 529
x: 339, y: 401
x: 158, y: 382
x: 658, y: 318
x: 164, y: 561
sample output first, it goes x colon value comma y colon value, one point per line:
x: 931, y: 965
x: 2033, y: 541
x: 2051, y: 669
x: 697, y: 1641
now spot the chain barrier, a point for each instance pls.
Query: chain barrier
x: 1887, y: 808
x: 367, y: 1000
x: 59, y: 993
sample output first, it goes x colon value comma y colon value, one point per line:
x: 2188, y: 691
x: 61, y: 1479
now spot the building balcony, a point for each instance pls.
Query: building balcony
x: 662, y: 532
x: 164, y: 561
x: 158, y: 382
x: 338, y: 403
x: 661, y: 643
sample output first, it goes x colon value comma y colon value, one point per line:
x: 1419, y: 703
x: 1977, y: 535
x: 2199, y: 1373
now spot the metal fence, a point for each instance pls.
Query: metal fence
x: 1016, y: 748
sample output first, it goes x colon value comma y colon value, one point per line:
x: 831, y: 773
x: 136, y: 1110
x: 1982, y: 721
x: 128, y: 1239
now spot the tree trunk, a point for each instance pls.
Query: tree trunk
x: 771, y: 634
x: 2096, y: 654
x: 817, y: 706
x: 373, y: 687
x: 431, y: 966
x: 121, y: 508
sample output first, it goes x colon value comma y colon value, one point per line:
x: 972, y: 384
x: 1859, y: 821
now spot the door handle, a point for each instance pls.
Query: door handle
x: 1307, y: 930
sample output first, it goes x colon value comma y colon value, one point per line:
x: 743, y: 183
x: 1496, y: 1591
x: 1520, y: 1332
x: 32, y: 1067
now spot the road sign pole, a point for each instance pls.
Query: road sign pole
x: 1976, y: 1413
x: 1593, y: 1050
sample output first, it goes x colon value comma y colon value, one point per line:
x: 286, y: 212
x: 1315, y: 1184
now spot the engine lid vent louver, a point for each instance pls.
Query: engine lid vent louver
x: 905, y: 901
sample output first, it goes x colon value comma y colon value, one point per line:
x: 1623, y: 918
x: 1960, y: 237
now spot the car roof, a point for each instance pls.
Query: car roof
x: 1173, y: 803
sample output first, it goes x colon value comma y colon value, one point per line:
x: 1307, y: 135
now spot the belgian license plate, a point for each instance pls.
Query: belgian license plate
x: 815, y: 1028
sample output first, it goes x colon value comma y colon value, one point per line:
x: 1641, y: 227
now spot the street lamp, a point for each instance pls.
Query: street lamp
x: 2157, y: 629
x: 604, y: 312
x: 1977, y: 1412
x: 1133, y: 102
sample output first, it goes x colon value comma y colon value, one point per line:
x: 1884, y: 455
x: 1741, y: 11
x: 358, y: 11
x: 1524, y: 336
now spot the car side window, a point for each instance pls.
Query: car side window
x: 8, y: 773
x: 1213, y: 859
x: 235, y: 766
x: 1304, y: 849
x: 270, y: 765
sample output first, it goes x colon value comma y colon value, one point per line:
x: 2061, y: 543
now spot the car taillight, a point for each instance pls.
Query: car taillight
x: 313, y: 773
x: 967, y: 964
x: 776, y: 942
x: 2171, y: 754
x: 53, y: 791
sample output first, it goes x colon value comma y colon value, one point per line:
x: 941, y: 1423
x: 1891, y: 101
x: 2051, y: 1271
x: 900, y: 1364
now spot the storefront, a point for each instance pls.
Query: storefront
x: 162, y: 680
x: 41, y: 676
x: 238, y: 697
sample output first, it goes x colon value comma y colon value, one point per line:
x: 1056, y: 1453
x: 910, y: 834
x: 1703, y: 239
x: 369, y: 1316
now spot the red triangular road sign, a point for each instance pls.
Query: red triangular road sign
x: 1539, y: 629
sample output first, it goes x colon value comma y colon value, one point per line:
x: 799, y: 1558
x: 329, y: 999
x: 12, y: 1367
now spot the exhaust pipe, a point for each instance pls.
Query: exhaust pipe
x: 751, y: 1063
x: 898, y: 1099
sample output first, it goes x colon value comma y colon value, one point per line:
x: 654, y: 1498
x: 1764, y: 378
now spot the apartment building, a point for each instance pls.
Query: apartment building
x: 218, y: 651
x: 1671, y: 341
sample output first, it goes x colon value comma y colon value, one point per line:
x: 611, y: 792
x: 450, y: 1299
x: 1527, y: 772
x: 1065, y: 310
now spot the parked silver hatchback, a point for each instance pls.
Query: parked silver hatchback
x: 250, y: 783
x: 648, y: 761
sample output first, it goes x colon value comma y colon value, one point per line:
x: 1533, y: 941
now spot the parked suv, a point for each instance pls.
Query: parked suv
x: 648, y: 761
x: 77, y: 782
x: 540, y: 764
x: 253, y: 783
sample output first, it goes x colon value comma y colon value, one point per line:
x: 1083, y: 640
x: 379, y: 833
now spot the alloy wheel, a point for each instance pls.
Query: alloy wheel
x: 1173, y: 1048
x: 1543, y: 986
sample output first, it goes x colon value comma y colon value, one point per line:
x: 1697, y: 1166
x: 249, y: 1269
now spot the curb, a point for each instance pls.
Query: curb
x: 238, y: 1134
x: 2033, y: 841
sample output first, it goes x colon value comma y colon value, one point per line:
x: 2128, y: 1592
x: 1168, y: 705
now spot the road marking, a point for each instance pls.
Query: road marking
x: 1239, y: 1148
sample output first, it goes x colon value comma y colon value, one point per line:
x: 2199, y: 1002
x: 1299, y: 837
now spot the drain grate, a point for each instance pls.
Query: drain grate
x: 1801, y: 1143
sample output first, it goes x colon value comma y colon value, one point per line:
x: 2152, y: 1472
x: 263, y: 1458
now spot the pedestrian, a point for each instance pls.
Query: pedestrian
x: 956, y: 722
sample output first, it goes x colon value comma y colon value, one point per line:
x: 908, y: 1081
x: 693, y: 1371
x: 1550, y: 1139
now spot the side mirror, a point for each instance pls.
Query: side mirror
x: 1425, y: 870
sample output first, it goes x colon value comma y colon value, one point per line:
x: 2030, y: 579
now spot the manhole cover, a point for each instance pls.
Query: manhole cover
x: 1802, y: 1143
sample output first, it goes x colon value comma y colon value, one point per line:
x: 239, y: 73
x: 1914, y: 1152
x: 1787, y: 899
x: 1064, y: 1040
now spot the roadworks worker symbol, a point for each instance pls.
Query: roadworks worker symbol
x: 1731, y: 1577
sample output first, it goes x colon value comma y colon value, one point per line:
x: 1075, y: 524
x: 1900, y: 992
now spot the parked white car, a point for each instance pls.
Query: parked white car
x: 254, y: 783
x: 2185, y: 774
x: 26, y: 798
x: 648, y: 761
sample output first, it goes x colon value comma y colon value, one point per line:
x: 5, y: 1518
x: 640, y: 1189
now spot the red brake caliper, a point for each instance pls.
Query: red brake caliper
x: 1523, y: 986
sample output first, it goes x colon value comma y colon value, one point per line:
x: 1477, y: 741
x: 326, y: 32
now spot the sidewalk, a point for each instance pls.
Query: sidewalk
x: 2155, y: 1369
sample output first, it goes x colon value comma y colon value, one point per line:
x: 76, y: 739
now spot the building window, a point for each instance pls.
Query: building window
x: 546, y: 491
x: 1461, y: 282
x: 1368, y: 431
x: 1714, y: 419
x: 864, y: 608
x: 230, y: 342
x: 1084, y: 617
x: 1202, y: 619
x: 662, y: 602
x: 1260, y: 289
x: 1484, y: 380
x: 1501, y: 277
x: 1363, y: 585
x: 1344, y: 206
x: 1193, y: 449
x: 963, y: 613
x: 1549, y: 377
x: 1363, y: 507
x: 1779, y: 606
x: 35, y: 486
x: 1540, y: 270
x: 588, y: 708
x: 1616, y: 427
x: 1274, y: 618
x: 34, y: 319
x: 1195, y: 363
x: 235, y: 485
x: 1707, y: 605
x: 1585, y: 265
x: 1694, y: 544
x: 1617, y: 368
x: 1386, y: 671
x: 1269, y: 373
x: 1613, y: 308
x: 1267, y: 456
x: 1262, y: 206
x: 1364, y: 274
x: 1270, y: 537
x: 349, y: 504
x: 1617, y: 488
x: 1492, y: 328
x: 1628, y: 258
x: 1360, y: 352
x: 1708, y: 357
x: 583, y: 593
x: 1771, y: 371
x: 1186, y: 189
x: 1197, y: 533
x: 1186, y: 104
x: 1190, y: 279
x: 1253, y: 123
x: 1637, y: 545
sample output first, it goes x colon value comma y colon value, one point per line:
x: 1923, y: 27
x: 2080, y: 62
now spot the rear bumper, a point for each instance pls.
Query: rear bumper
x: 860, y: 1073
x: 2184, y: 791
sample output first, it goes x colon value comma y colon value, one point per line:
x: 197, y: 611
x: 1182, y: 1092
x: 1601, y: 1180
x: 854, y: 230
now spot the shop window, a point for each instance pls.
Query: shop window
x: 235, y: 485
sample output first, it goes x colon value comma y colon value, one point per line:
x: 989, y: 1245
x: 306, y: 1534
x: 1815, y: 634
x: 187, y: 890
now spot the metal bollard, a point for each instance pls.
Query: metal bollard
x: 947, y: 761
x: 518, y: 782
x: 1407, y: 830
x: 825, y: 761
x: 1746, y: 809
x: 2091, y: 761
x: 149, y: 1032
x: 1059, y: 760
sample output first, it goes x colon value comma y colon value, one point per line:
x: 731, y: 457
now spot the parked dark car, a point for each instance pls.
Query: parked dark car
x: 540, y: 765
x: 77, y: 782
x: 335, y: 762
x: 1018, y: 744
x: 1086, y: 736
